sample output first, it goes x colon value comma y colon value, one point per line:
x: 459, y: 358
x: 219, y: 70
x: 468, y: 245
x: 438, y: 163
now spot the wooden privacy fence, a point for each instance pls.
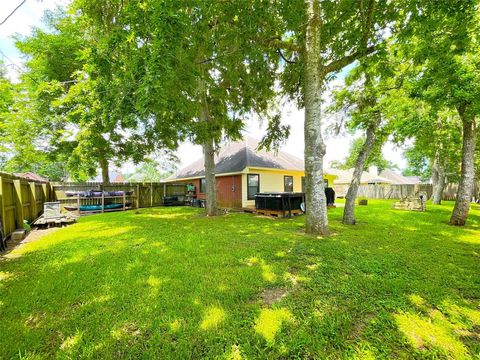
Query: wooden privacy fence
x: 389, y: 191
x: 20, y: 199
x: 144, y: 194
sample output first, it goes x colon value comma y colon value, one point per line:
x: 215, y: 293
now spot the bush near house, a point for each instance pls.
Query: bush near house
x: 170, y: 283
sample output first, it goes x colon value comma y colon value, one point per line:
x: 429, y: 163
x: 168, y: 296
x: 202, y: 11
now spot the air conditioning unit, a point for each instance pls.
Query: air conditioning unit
x: 51, y: 209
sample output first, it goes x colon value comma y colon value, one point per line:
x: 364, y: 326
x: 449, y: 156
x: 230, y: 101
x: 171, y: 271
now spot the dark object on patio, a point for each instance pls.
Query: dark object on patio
x: 172, y: 201
x: 200, y: 203
x: 330, y: 194
x: 279, y: 203
x: 362, y: 201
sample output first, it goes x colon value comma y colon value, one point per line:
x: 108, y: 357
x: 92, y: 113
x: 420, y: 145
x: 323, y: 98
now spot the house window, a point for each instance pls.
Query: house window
x: 303, y: 183
x: 253, y: 185
x: 203, y: 185
x: 288, y: 183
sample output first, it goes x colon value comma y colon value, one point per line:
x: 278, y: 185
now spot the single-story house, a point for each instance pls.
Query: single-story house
x: 31, y: 176
x: 114, y: 176
x: 399, y: 179
x: 344, y: 178
x: 242, y: 171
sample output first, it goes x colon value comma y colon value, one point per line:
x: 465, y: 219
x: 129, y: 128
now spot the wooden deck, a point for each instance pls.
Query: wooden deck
x: 62, y: 220
x: 277, y: 213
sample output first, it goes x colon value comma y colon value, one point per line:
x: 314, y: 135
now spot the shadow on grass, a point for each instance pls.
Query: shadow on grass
x: 165, y: 282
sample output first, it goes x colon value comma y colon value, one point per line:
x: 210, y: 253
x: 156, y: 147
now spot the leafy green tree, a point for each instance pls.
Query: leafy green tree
x: 22, y: 145
x: 375, y: 157
x: 6, y: 102
x: 185, y: 66
x: 435, y: 153
x: 156, y: 167
x: 315, y: 40
x: 363, y: 100
x: 442, y: 40
x: 69, y: 101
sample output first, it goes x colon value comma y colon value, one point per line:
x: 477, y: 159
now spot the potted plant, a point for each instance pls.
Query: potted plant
x: 362, y: 200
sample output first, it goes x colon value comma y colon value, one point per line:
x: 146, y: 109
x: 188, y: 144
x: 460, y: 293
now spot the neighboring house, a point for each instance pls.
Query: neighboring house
x: 344, y: 178
x: 115, y: 177
x: 31, y: 176
x: 243, y: 171
x: 386, y: 177
x: 399, y: 179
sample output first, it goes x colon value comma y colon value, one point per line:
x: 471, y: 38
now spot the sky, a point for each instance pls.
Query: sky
x: 30, y: 14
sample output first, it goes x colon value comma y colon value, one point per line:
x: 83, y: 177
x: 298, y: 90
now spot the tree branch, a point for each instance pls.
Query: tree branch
x: 281, y: 44
x: 339, y: 64
x: 279, y: 51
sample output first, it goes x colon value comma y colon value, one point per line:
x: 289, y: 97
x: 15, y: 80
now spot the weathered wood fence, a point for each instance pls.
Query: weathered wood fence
x: 145, y: 194
x: 388, y: 191
x: 20, y: 199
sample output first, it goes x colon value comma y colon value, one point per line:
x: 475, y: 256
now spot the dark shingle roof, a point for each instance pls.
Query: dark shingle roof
x: 236, y: 156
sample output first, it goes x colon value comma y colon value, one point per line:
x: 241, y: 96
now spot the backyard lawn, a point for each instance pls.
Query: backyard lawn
x: 170, y: 283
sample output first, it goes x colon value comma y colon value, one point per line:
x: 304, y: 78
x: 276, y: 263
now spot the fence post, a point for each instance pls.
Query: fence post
x: 3, y: 209
x: 45, y: 193
x: 151, y: 194
x: 33, y: 200
x: 138, y: 196
x: 18, y: 203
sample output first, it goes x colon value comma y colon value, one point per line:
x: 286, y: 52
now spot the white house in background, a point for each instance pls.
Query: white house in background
x: 344, y: 178
x: 399, y: 179
x: 114, y: 176
x: 386, y: 177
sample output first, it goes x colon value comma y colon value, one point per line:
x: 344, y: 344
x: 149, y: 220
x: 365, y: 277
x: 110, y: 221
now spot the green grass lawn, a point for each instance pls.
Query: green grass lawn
x: 169, y: 283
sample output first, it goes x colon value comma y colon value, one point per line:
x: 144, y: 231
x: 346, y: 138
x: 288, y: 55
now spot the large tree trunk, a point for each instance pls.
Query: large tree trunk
x: 438, y: 178
x: 349, y: 210
x: 210, y: 182
x: 104, y: 168
x: 467, y: 177
x: 209, y: 156
x: 316, y: 203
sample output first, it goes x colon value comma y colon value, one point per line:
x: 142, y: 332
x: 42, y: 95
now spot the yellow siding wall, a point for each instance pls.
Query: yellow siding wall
x: 272, y: 181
